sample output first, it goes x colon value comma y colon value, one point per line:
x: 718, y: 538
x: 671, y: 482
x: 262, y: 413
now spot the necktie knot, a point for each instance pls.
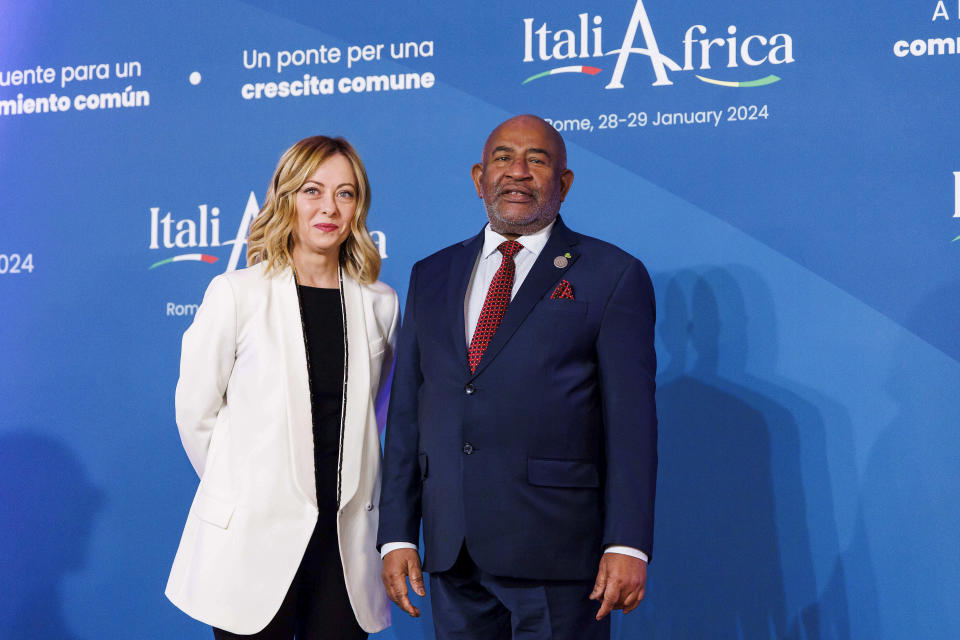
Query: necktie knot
x: 510, y: 248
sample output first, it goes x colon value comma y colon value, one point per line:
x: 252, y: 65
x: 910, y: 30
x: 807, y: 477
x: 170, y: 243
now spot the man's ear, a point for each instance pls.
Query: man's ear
x: 477, y: 174
x: 566, y: 181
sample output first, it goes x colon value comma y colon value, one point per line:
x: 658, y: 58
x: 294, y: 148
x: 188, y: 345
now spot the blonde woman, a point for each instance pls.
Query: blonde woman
x: 281, y: 381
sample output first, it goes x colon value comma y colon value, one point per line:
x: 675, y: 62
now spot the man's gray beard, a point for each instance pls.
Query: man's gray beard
x: 546, y: 213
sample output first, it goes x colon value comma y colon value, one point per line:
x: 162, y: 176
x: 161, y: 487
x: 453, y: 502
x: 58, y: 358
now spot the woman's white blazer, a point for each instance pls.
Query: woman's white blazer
x: 243, y: 411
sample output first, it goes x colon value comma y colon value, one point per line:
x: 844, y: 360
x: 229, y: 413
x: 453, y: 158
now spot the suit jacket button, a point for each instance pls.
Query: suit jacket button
x: 369, y: 506
x: 467, y: 448
x: 470, y: 389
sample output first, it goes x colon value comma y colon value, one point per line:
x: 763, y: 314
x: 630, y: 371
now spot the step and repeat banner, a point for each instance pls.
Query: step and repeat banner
x: 788, y: 172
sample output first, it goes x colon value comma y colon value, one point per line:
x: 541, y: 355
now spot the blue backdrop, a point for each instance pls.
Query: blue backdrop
x: 785, y: 170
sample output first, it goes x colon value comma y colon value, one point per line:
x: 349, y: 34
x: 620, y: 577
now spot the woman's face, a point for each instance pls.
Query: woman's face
x: 325, y: 205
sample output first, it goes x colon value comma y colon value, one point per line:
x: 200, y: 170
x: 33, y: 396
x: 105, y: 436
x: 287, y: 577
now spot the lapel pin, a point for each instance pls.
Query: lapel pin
x: 560, y: 262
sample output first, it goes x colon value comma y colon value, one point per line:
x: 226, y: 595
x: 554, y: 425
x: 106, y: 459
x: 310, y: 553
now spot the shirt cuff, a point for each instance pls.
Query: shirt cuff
x: 627, y: 551
x: 393, y: 546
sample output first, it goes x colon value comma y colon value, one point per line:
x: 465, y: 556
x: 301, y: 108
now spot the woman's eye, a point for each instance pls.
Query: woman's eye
x: 346, y: 195
x: 312, y: 191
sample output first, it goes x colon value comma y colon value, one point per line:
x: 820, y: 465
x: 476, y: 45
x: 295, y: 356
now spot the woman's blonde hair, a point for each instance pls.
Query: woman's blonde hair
x: 271, y: 232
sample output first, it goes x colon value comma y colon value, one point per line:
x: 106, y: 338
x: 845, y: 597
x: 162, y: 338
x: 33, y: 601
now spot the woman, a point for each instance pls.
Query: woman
x: 280, y: 375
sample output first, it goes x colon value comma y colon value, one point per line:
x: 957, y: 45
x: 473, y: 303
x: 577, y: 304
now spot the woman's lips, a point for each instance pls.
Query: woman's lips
x: 323, y: 226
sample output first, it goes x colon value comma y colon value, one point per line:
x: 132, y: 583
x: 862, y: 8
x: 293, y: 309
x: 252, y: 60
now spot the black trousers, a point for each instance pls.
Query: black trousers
x: 316, y: 606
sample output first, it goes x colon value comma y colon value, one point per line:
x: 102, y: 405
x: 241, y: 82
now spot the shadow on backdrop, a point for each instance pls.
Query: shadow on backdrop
x: 732, y: 555
x: 49, y: 506
x: 911, y: 488
x: 816, y: 486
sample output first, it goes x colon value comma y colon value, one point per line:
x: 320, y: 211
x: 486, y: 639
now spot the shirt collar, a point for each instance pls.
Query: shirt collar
x: 534, y: 243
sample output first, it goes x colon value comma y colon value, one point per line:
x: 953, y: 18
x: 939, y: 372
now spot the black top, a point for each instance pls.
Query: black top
x: 323, y: 328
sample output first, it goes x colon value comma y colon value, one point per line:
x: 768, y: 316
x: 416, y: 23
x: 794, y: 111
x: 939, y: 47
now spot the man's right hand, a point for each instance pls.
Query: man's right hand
x: 398, y: 565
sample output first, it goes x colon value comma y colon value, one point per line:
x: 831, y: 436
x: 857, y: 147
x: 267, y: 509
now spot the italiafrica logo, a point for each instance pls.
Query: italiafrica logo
x: 199, y: 233
x: 586, y: 42
x: 202, y: 231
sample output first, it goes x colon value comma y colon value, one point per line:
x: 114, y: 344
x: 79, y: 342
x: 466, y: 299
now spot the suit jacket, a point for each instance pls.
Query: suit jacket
x: 548, y: 451
x: 243, y: 411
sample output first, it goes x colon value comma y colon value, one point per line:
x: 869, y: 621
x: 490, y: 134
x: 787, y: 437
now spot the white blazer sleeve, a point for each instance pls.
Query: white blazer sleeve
x: 206, y: 362
x: 386, y: 366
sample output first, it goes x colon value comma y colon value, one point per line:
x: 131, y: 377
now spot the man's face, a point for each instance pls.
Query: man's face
x: 523, y: 177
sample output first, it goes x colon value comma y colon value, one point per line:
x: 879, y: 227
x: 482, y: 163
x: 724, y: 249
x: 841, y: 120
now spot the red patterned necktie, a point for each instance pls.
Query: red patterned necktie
x: 495, y: 304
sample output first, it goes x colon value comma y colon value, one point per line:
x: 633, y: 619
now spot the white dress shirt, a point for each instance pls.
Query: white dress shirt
x: 485, y: 268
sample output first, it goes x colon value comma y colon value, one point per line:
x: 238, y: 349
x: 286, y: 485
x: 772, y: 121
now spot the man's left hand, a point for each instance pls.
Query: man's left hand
x: 620, y: 583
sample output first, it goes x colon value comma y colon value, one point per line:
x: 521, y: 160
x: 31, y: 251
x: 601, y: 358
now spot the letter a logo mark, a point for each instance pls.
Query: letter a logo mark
x: 249, y: 213
x: 657, y: 59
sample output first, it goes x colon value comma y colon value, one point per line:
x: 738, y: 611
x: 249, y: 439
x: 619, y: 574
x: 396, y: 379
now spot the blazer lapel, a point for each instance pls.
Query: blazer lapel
x: 543, y: 274
x: 357, y: 405
x: 286, y: 315
x: 461, y: 269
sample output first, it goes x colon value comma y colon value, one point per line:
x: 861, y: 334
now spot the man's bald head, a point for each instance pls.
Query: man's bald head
x: 522, y: 176
x: 534, y: 122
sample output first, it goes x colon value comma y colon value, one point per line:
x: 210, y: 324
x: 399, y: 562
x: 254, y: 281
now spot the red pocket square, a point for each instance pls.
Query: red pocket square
x: 563, y: 290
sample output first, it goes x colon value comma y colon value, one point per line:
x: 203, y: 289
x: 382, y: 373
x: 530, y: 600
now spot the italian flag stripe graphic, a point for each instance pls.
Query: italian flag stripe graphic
x: 577, y: 69
x: 187, y: 257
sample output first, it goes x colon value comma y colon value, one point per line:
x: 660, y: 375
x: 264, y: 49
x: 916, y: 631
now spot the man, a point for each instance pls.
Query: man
x: 522, y: 426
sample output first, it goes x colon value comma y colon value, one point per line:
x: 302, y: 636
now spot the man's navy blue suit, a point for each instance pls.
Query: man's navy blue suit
x: 548, y: 451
